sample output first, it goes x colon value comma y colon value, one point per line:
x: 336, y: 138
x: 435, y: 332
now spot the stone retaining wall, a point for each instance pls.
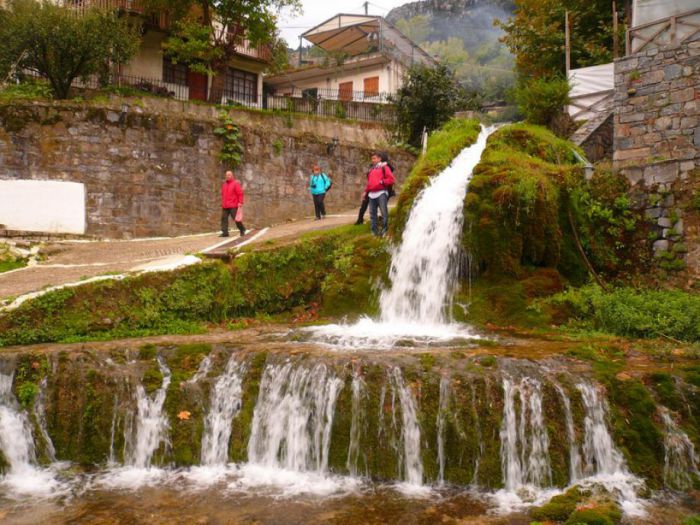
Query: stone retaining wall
x: 657, y: 146
x: 150, y: 167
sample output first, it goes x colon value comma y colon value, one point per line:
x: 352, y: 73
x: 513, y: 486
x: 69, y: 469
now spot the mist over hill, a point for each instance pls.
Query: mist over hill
x: 461, y: 33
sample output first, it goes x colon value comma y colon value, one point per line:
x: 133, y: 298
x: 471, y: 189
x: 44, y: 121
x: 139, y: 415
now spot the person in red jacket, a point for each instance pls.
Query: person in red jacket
x: 231, y: 200
x: 379, y: 180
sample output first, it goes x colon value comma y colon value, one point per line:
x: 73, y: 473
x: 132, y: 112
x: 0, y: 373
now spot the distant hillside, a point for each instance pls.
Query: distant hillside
x: 462, y: 35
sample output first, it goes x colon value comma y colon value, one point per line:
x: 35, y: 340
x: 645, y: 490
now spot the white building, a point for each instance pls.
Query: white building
x: 371, y: 58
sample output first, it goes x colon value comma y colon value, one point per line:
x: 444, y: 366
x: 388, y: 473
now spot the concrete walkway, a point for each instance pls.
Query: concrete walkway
x: 72, y: 261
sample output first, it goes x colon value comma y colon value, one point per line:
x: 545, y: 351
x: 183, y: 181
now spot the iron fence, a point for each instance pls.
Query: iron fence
x: 357, y: 105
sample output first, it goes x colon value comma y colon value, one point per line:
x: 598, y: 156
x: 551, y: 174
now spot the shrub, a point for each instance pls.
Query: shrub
x: 634, y: 313
x: 542, y: 100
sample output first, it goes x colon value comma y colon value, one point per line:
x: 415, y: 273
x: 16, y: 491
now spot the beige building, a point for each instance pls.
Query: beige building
x: 149, y: 69
x: 370, y: 59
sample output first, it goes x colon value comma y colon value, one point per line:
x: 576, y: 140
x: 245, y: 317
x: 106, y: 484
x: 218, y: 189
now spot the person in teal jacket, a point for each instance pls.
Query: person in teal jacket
x: 319, y: 184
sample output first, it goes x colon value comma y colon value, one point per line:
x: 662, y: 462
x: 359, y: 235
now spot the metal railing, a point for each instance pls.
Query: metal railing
x: 362, y: 107
x: 669, y: 31
x: 345, y: 95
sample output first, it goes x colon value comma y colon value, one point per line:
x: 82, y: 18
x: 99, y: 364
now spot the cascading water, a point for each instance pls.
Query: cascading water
x: 599, y: 452
x: 23, y: 477
x: 574, y: 456
x: 293, y: 418
x: 410, y: 431
x: 424, y: 266
x: 442, y: 414
x: 524, y: 439
x: 151, y: 423
x: 359, y: 392
x: 39, y: 410
x: 604, y: 464
x: 680, y: 460
x: 225, y: 404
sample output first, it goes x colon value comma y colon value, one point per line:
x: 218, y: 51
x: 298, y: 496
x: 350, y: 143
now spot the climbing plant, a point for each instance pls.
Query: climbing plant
x: 232, y: 149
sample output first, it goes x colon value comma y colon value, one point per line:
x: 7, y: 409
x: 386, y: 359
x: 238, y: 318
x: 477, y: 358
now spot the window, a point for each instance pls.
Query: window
x: 371, y: 86
x: 241, y: 85
x: 174, y: 73
x: 345, y: 90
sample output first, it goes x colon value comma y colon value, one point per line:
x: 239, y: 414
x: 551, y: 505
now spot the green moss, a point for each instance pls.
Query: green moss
x: 604, y: 514
x: 152, y: 379
x: 336, y: 270
x: 559, y: 508
x: 665, y: 387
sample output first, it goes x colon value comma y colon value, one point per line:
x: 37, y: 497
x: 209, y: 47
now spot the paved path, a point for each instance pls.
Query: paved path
x: 72, y: 261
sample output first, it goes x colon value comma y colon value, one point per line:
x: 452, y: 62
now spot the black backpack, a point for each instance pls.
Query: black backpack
x: 390, y: 188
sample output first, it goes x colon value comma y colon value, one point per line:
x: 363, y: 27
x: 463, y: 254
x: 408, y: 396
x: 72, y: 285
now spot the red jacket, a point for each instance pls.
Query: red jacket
x: 379, y: 178
x: 231, y: 194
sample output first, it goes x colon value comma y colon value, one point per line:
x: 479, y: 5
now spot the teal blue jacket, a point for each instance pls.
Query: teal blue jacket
x: 319, y: 183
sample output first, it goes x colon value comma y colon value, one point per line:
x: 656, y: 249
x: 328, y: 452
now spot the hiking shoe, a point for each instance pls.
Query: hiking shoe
x: 224, y: 235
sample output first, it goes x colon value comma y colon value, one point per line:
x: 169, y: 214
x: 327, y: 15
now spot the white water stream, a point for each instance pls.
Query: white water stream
x: 23, y: 477
x: 225, y: 404
x: 680, y: 459
x: 410, y: 433
x: 424, y: 267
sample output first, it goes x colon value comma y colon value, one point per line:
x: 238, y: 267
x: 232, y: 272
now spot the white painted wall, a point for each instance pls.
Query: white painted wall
x: 43, y: 206
x: 390, y: 78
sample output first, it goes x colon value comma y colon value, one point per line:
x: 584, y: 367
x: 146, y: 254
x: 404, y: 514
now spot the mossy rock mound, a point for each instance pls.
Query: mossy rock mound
x: 514, y: 212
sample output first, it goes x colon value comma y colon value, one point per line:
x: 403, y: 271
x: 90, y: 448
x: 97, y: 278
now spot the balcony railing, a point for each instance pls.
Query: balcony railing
x: 345, y: 95
x: 669, y: 31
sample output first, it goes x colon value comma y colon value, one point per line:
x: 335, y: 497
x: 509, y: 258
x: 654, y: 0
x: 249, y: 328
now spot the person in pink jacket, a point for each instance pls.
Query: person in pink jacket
x: 231, y: 201
x: 380, y: 180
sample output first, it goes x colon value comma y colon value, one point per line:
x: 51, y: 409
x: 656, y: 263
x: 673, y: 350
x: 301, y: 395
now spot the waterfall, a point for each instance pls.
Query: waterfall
x: 202, y: 370
x: 524, y: 439
x: 39, y: 410
x: 16, y: 441
x: 410, y: 431
x: 680, y: 460
x: 424, y: 267
x: 23, y: 477
x: 293, y: 418
x: 574, y: 456
x: 359, y: 392
x: 151, y: 423
x: 599, y: 451
x: 225, y: 404
x: 479, y: 437
x: 442, y: 413
x: 603, y: 462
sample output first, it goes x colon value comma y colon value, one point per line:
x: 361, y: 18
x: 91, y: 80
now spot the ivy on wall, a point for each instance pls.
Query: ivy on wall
x: 232, y: 149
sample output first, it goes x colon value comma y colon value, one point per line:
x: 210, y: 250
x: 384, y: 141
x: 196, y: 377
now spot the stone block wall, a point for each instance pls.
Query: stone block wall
x: 657, y: 146
x: 150, y: 166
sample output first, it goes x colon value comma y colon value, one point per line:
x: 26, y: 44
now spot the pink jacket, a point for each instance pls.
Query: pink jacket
x: 231, y: 194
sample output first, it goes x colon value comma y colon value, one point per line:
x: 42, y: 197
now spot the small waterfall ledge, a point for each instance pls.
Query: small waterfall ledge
x: 325, y: 424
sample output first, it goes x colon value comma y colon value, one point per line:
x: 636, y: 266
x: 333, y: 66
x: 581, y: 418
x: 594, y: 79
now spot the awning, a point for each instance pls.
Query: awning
x: 352, y: 34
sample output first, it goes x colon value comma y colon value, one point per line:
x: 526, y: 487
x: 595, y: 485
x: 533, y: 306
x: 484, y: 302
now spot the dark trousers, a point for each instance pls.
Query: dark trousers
x: 225, y: 212
x: 380, y: 202
x: 319, y: 207
x: 363, y: 209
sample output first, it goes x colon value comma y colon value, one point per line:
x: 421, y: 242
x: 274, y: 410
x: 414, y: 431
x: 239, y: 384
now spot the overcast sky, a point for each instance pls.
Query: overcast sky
x: 316, y: 11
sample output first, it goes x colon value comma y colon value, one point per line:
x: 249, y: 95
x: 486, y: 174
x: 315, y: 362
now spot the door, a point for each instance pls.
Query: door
x: 345, y: 91
x: 198, y: 85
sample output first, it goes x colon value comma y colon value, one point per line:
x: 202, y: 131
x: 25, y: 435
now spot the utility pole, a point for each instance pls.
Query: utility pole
x: 366, y: 4
x: 300, y: 48
x: 567, y: 43
x: 616, y: 43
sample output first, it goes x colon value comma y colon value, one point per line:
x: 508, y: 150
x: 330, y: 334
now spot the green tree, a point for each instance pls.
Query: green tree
x: 207, y: 33
x: 428, y: 98
x: 535, y: 35
x: 60, y: 46
x: 451, y: 53
x: 416, y: 28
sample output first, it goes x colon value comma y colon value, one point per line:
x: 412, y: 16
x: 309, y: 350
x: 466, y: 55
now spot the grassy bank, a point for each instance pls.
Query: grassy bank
x: 333, y: 273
